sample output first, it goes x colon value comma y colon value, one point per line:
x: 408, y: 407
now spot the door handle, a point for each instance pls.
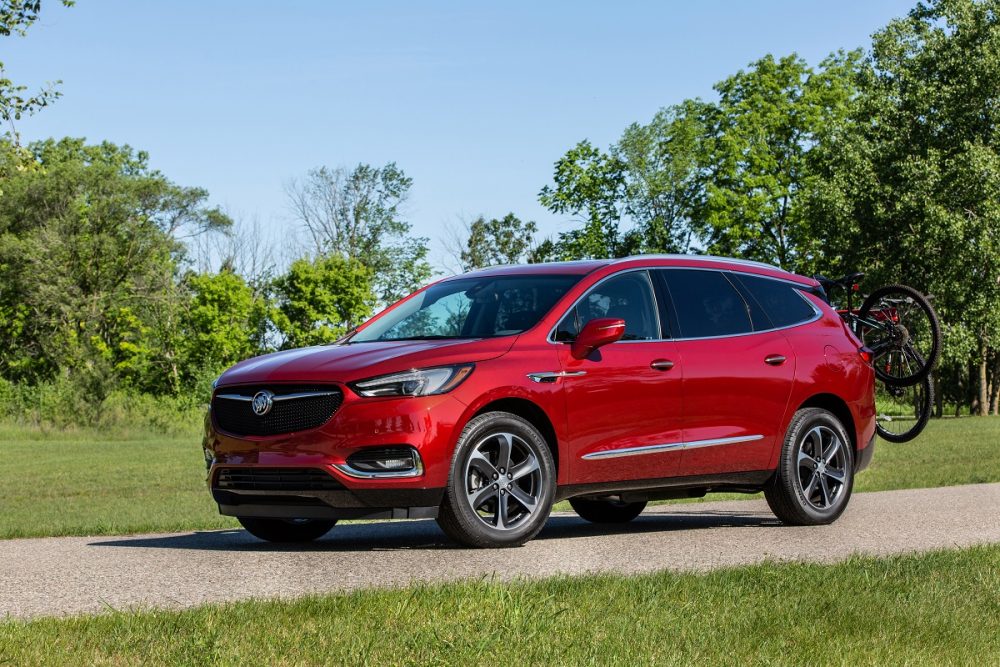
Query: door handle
x: 661, y: 364
x: 774, y: 359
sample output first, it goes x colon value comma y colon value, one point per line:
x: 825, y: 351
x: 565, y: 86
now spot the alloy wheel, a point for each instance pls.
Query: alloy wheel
x: 822, y: 467
x: 503, y: 481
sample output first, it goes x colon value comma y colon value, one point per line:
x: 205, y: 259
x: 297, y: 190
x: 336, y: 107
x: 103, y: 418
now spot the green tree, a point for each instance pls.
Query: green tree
x: 911, y: 192
x: 16, y: 16
x: 357, y: 214
x: 88, y: 265
x: 507, y: 240
x: 223, y: 322
x: 590, y: 185
x: 665, y: 175
x: 320, y: 299
x: 761, y: 131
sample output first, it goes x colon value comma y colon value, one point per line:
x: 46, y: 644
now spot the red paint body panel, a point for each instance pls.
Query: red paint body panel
x: 717, y: 388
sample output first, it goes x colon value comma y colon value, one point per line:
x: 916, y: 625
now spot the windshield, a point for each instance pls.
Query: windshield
x: 471, y: 308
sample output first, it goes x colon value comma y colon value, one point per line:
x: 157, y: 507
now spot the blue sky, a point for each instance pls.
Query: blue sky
x: 474, y: 101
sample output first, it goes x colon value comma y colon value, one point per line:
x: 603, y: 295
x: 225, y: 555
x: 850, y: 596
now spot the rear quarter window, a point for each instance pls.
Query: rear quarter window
x: 784, y: 304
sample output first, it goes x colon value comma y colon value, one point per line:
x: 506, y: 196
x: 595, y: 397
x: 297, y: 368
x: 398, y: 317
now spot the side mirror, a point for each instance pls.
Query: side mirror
x: 596, y: 333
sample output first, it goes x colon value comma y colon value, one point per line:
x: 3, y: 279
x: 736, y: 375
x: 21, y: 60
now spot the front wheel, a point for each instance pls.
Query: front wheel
x: 286, y: 530
x: 815, y: 473
x: 502, y: 483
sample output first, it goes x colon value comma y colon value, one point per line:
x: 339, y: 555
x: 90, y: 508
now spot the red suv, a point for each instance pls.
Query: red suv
x: 483, y: 399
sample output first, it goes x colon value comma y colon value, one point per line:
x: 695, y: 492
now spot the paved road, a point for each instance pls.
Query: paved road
x: 66, y: 575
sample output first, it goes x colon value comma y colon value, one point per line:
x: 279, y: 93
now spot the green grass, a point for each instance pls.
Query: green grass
x: 82, y: 483
x: 939, y: 608
x: 54, y: 483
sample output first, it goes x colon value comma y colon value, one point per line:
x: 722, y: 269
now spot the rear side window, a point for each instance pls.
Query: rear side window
x: 782, y: 302
x: 707, y: 304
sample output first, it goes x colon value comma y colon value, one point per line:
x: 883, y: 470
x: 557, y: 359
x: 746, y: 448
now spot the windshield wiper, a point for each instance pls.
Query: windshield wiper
x: 430, y: 337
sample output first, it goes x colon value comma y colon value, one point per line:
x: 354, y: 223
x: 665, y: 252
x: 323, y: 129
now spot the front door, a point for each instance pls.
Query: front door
x: 623, y: 402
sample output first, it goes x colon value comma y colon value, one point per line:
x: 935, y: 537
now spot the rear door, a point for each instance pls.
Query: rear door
x: 738, y: 373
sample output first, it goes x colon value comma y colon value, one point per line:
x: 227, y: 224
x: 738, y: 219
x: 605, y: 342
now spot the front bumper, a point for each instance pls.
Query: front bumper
x: 339, y: 503
x: 425, y: 424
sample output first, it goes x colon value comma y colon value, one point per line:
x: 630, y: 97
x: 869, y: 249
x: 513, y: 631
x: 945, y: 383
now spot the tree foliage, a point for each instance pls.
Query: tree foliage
x: 910, y: 191
x: 507, y: 240
x: 320, y: 299
x: 88, y: 264
x: 357, y: 214
x: 16, y: 16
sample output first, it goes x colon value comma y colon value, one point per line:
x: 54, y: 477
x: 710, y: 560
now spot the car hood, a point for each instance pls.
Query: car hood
x: 356, y: 361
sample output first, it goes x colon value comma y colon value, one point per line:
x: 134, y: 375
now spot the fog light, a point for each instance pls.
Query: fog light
x: 383, y: 462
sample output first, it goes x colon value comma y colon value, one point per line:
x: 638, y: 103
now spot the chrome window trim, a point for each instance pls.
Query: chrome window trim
x: 798, y: 287
x: 656, y: 308
x: 670, y: 446
x: 817, y: 313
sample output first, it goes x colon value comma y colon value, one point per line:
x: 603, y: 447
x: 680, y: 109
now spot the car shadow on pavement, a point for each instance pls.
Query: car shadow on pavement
x: 425, y: 534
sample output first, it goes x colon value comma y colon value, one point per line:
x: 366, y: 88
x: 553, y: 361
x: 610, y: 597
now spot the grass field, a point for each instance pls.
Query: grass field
x: 85, y: 484
x: 939, y: 608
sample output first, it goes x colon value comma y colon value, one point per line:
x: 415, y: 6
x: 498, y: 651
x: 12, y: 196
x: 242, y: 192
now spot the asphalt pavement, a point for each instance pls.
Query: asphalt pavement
x: 72, y: 575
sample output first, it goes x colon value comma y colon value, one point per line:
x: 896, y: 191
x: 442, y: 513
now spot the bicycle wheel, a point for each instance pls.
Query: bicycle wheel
x: 900, y: 326
x: 901, y: 413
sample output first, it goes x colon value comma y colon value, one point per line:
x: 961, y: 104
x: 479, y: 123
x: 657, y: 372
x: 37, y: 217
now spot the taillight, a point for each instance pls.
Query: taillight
x: 866, y: 355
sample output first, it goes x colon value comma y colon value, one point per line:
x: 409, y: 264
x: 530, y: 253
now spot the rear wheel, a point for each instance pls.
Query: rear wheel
x: 815, y: 475
x: 501, y: 485
x: 286, y: 530
x: 606, y: 510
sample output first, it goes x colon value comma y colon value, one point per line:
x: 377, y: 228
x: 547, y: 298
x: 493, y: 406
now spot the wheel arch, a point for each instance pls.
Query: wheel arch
x: 531, y: 412
x: 839, y: 408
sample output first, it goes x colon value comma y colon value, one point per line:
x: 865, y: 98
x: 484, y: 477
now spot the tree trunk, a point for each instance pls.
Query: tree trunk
x: 970, y: 390
x: 995, y: 385
x: 938, y: 397
x: 984, y: 390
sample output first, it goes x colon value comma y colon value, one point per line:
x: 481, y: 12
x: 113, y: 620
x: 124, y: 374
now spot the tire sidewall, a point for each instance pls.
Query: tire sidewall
x: 790, y: 455
x: 455, y: 497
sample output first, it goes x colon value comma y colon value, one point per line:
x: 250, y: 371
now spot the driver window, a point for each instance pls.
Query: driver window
x: 628, y: 297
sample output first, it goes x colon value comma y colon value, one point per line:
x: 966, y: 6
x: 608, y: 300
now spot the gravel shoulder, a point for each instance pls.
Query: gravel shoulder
x: 72, y: 575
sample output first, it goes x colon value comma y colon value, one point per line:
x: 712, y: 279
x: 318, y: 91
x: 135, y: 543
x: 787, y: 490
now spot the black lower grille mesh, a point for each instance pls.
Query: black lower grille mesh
x: 275, y: 479
x: 298, y: 414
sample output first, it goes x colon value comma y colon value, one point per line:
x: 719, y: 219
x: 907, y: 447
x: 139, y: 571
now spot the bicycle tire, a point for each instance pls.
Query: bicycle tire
x: 920, y: 420
x: 926, y: 359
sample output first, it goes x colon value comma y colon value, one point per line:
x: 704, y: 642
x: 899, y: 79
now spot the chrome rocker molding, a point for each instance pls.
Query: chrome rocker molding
x: 667, y: 447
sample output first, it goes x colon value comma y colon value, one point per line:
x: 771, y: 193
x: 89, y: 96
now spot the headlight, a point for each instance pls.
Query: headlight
x: 215, y: 383
x: 418, y: 382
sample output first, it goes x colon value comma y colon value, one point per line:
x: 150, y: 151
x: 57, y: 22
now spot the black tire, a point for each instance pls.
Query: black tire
x: 903, y: 427
x: 800, y: 502
x: 606, y: 510
x: 286, y: 530
x: 475, y: 479
x: 923, y: 350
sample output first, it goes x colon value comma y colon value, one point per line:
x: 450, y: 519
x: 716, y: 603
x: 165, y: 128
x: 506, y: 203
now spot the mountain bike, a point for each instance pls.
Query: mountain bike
x: 899, y: 326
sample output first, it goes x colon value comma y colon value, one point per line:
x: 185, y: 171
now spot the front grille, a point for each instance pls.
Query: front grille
x: 275, y: 479
x: 289, y: 416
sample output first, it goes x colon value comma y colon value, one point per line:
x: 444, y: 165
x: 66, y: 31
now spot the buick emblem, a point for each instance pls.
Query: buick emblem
x: 262, y: 402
